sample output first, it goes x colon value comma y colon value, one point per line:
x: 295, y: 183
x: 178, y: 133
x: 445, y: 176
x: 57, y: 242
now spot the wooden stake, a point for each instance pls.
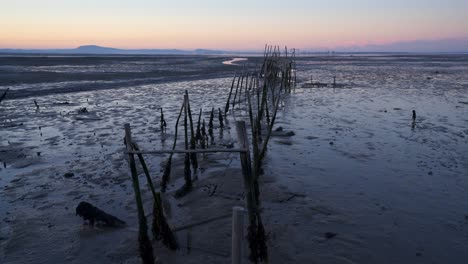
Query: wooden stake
x: 161, y: 229
x: 4, y: 94
x: 145, y: 247
x: 193, y: 156
x: 167, y: 170
x: 226, y: 109
x: 249, y: 188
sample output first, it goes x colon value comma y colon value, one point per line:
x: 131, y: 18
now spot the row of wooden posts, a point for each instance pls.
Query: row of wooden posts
x: 261, y: 93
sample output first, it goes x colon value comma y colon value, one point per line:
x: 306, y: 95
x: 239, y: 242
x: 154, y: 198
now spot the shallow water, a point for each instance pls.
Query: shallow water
x: 394, y: 191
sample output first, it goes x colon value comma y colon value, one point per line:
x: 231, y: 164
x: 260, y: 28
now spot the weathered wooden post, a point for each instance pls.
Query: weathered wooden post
x: 167, y: 168
x: 187, y: 187
x: 226, y: 109
x: 162, y: 122
x: 4, y: 95
x: 249, y: 187
x: 237, y: 234
x: 145, y: 247
x: 193, y: 156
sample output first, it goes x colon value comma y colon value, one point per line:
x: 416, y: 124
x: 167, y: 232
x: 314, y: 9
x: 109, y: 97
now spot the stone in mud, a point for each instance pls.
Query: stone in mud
x: 68, y: 175
x: 329, y: 235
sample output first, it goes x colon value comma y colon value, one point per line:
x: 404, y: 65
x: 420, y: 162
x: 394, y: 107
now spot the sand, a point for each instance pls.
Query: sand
x: 356, y: 168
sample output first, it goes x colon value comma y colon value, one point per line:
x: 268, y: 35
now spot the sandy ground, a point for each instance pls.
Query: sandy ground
x: 392, y: 191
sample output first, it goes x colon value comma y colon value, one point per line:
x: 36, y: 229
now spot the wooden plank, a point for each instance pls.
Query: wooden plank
x: 183, y: 151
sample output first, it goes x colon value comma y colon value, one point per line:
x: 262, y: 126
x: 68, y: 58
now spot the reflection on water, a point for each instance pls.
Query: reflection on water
x: 233, y: 61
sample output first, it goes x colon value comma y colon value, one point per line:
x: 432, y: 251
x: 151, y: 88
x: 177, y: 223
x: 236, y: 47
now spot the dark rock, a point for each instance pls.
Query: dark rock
x: 95, y: 215
x: 329, y: 235
x: 83, y: 110
x: 68, y: 175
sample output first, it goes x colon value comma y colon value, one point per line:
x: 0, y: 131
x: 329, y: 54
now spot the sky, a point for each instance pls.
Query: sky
x: 228, y: 25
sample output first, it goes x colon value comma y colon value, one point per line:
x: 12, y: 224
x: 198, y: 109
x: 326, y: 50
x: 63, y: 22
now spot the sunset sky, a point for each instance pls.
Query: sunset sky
x: 235, y: 25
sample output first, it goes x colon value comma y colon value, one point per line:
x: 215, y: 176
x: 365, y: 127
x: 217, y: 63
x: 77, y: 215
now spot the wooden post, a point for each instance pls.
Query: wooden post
x: 249, y: 187
x: 167, y: 169
x: 198, y: 136
x: 161, y: 229
x: 37, y: 105
x: 187, y: 187
x: 4, y: 94
x: 193, y: 156
x: 226, y: 109
x: 162, y: 122
x: 237, y: 234
x: 220, y: 118
x: 145, y: 247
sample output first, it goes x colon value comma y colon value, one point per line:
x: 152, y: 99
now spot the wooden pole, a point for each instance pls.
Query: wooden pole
x: 4, y: 94
x: 145, y: 247
x: 237, y: 234
x: 187, y: 187
x: 162, y: 122
x: 198, y: 135
x: 249, y: 187
x: 167, y: 170
x: 226, y: 109
x: 161, y: 229
x: 193, y: 145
